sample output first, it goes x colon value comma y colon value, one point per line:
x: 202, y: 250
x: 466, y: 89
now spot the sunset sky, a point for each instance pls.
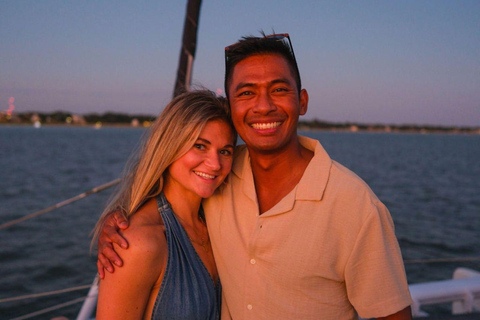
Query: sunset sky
x: 392, y: 62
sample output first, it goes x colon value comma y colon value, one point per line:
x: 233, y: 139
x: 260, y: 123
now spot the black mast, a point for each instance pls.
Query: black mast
x: 189, y: 45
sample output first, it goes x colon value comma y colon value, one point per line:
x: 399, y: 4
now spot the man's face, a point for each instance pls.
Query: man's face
x: 265, y: 103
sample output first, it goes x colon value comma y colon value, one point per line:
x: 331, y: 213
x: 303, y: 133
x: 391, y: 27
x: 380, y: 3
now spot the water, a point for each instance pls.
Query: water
x: 430, y: 183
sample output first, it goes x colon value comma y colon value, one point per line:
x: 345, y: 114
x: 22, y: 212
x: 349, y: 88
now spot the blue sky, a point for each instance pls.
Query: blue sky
x: 394, y: 62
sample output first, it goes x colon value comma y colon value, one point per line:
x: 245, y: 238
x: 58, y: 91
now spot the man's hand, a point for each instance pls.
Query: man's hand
x: 108, y: 236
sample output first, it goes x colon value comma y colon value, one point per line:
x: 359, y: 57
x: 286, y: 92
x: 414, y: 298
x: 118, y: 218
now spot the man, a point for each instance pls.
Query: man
x: 295, y: 235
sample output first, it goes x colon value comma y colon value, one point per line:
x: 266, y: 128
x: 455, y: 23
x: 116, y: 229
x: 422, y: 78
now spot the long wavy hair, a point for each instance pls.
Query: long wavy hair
x: 173, y: 133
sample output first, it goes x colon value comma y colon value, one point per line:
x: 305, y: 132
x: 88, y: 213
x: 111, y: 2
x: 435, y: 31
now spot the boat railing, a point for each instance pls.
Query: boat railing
x: 90, y: 303
x: 60, y: 204
x: 90, y: 299
x: 463, y: 291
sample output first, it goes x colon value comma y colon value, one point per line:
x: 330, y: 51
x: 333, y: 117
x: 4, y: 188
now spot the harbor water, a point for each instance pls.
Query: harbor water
x: 429, y: 182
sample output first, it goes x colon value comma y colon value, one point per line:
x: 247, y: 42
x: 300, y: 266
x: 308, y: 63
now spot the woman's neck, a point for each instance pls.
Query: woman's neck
x: 185, y: 204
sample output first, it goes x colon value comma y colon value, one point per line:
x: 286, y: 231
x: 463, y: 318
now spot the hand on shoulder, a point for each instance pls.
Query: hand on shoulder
x: 127, y: 291
x: 146, y: 236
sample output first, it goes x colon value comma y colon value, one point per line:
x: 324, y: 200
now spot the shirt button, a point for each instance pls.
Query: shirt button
x: 252, y: 261
x: 249, y: 307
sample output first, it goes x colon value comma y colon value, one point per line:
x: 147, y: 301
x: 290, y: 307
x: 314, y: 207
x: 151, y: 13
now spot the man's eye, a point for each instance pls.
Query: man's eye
x: 280, y: 90
x: 245, y: 93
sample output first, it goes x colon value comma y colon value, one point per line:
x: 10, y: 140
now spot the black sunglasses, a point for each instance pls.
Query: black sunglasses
x: 273, y: 37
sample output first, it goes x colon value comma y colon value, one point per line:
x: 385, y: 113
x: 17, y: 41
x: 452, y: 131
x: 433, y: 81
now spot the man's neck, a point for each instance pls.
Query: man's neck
x: 276, y: 174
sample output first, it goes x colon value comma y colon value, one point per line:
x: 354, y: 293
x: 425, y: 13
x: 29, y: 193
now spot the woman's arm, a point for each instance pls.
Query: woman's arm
x: 125, y: 294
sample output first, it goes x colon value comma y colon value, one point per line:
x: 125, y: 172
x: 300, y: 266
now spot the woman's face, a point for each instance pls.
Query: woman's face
x: 204, y: 167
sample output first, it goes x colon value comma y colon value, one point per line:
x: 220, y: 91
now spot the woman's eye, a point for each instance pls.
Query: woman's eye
x: 226, y: 152
x: 199, y: 146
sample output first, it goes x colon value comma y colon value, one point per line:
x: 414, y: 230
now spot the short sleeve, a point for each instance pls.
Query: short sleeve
x: 375, y: 275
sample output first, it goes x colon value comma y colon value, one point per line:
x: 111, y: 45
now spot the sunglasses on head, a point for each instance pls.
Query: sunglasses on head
x: 273, y: 37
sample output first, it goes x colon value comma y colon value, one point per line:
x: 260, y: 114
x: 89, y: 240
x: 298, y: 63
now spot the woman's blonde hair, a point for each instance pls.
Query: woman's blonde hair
x: 171, y: 136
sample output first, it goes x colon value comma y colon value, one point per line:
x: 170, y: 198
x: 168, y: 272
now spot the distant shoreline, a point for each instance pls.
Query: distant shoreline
x: 300, y: 127
x: 383, y: 128
x: 66, y: 125
x: 395, y: 131
x: 119, y: 120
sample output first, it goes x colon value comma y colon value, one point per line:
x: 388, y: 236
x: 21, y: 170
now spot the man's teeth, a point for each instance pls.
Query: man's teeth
x: 204, y: 175
x: 263, y: 126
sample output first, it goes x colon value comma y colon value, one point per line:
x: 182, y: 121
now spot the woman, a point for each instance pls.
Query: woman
x: 169, y: 271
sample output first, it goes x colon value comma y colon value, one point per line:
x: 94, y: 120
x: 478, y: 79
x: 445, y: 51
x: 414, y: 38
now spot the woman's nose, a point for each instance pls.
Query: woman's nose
x: 213, y: 161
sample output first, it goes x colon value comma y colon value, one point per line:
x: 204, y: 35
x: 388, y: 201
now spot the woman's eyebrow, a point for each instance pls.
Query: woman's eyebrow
x: 208, y: 142
x: 204, y: 140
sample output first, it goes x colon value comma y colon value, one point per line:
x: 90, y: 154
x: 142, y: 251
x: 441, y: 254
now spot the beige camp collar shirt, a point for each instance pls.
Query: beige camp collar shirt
x: 325, y: 251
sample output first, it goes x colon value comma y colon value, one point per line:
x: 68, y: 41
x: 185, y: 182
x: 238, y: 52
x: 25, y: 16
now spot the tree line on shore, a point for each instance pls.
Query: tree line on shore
x: 61, y: 117
x: 362, y: 127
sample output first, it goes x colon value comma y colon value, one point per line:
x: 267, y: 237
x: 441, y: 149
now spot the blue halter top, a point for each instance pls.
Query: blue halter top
x: 187, y: 291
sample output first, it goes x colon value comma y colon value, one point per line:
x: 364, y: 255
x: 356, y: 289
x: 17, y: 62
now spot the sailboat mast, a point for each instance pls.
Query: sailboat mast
x: 189, y: 45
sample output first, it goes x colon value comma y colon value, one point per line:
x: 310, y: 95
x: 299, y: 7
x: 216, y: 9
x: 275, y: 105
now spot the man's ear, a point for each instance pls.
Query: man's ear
x: 303, y: 101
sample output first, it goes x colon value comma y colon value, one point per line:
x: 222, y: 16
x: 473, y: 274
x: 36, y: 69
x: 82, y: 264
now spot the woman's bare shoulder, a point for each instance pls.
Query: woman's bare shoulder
x: 126, y: 292
x: 146, y: 234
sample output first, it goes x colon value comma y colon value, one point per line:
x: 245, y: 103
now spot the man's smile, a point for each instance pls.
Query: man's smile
x: 265, y: 125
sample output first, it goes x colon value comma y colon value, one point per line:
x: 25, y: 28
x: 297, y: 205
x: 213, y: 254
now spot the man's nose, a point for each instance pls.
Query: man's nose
x: 264, y: 103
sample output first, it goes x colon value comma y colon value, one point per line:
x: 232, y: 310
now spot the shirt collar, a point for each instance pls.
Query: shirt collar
x: 314, y: 180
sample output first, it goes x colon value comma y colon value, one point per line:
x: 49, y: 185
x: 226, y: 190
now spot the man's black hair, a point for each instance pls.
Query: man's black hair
x: 249, y: 46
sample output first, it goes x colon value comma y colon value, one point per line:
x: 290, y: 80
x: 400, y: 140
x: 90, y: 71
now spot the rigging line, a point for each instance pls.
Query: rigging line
x: 53, y: 308
x: 467, y: 259
x: 43, y: 294
x: 61, y: 204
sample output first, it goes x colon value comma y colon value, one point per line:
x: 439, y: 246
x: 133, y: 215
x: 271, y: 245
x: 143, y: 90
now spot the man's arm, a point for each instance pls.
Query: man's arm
x: 405, y: 314
x: 374, y: 275
x: 110, y: 235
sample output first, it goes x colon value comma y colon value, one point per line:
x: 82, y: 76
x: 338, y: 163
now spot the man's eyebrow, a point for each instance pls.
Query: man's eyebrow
x: 281, y: 80
x: 243, y: 85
